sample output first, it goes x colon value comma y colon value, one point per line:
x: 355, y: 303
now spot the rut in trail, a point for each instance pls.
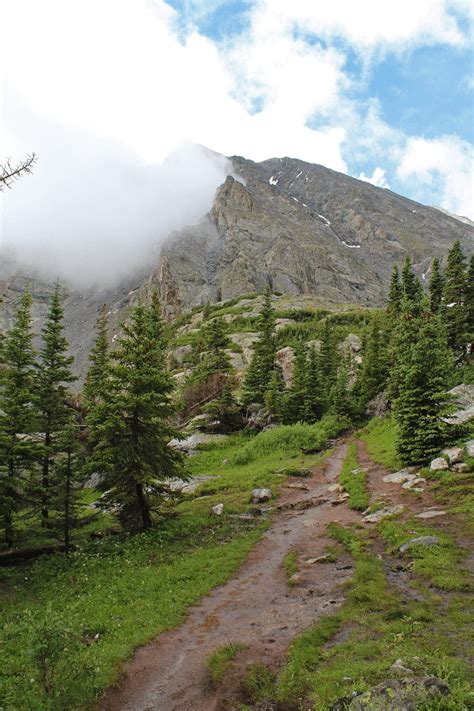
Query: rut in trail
x: 256, y: 607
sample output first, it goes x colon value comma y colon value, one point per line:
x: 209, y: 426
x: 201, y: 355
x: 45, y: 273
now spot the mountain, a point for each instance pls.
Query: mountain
x: 302, y: 227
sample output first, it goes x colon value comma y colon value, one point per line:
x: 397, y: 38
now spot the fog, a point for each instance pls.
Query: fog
x: 94, y: 212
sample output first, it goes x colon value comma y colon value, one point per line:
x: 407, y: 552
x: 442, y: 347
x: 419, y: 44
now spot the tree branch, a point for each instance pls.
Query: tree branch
x: 10, y: 173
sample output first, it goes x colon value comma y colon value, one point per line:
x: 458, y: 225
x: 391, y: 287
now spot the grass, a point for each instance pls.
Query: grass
x: 353, y: 649
x: 354, y: 480
x: 69, y: 622
x: 380, y: 438
x: 219, y: 661
x: 290, y: 565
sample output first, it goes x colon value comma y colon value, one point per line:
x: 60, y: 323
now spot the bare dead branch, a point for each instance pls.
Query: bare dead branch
x: 9, y: 173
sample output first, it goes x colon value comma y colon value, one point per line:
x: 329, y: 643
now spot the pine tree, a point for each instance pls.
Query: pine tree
x: 328, y: 361
x: 411, y: 286
x: 373, y: 374
x: 421, y: 375
x: 260, y: 370
x: 469, y: 305
x: 214, y: 343
x: 97, y: 376
x: 224, y: 411
x: 395, y: 293
x: 67, y: 475
x: 54, y: 373
x: 295, y: 396
x: 436, y: 286
x: 132, y: 427
x: 340, y: 396
x: 454, y: 295
x: 17, y: 448
x: 275, y: 395
x: 313, y: 403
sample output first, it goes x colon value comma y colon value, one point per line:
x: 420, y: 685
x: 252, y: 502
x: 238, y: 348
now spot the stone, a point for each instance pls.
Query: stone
x: 430, y: 514
x: 399, y: 666
x: 319, y: 559
x: 218, y: 509
x: 413, y: 483
x: 419, y: 541
x: 190, y: 444
x: 439, y: 464
x: 261, y: 495
x: 404, y: 694
x: 454, y: 454
x: 399, y: 477
x: 303, y: 487
x: 285, y: 357
x: 335, y: 487
x: 351, y: 343
x: 464, y: 401
x: 179, y: 354
x: 461, y: 467
x: 383, y: 513
x: 469, y: 446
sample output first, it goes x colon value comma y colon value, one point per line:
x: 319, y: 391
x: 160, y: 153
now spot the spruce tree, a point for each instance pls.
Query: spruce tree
x: 313, y: 403
x: 328, y: 361
x: 53, y: 376
x: 411, y: 286
x: 214, y: 343
x: 68, y: 474
x: 469, y: 306
x: 99, y: 362
x: 224, y: 411
x: 395, y: 293
x: 373, y: 373
x: 260, y: 370
x: 340, y: 396
x: 436, y: 286
x: 295, y: 396
x: 133, y: 426
x: 454, y: 296
x: 275, y: 395
x: 421, y: 371
x: 17, y: 448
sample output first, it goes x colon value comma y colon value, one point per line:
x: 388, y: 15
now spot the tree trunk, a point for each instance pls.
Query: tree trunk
x: 143, y: 507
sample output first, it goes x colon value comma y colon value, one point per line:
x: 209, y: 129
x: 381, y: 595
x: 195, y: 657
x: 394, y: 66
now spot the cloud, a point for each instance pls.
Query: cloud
x: 442, y: 167
x: 377, y: 178
x: 93, y: 212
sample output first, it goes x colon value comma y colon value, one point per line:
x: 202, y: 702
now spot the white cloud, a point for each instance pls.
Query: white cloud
x: 377, y: 178
x: 443, y: 166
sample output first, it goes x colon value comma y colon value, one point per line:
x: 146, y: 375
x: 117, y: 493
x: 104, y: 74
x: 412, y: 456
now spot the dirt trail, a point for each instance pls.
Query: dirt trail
x: 256, y: 607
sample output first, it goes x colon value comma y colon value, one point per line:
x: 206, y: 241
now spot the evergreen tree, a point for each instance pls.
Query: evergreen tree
x: 132, y: 427
x: 214, y: 343
x: 328, y: 361
x: 313, y: 403
x: 17, y: 449
x: 454, y: 295
x: 54, y: 373
x: 67, y: 475
x: 436, y: 286
x: 340, y: 396
x: 275, y: 394
x: 395, y: 293
x: 97, y: 376
x: 260, y: 370
x: 421, y: 374
x: 411, y: 286
x: 469, y: 306
x: 224, y: 411
x: 374, y: 370
x: 295, y: 396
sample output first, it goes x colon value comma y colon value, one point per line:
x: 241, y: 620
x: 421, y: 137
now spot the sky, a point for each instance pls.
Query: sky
x: 106, y: 90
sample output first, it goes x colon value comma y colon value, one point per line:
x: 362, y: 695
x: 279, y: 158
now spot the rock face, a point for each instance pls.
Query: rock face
x: 306, y: 229
x: 463, y: 398
x: 302, y: 227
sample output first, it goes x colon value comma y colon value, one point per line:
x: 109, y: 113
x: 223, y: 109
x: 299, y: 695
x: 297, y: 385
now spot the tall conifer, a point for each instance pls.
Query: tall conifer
x: 436, y: 286
x: 454, y: 295
x: 260, y: 370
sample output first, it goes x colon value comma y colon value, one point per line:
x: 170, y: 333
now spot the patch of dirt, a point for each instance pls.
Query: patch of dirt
x: 256, y: 607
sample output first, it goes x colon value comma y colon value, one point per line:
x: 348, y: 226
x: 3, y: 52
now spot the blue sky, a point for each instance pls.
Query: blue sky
x: 376, y: 89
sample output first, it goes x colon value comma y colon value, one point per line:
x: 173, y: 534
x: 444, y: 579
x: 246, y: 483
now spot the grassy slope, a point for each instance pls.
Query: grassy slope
x: 85, y: 613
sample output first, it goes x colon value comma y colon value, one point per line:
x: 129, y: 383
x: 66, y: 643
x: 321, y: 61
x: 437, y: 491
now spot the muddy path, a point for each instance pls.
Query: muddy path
x: 257, y: 607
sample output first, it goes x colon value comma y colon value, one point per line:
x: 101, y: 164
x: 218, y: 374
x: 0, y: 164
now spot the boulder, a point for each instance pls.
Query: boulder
x: 383, y: 513
x: 400, y: 477
x: 461, y: 467
x: 351, y: 343
x: 399, y: 695
x: 411, y: 483
x: 218, y: 509
x: 469, y: 446
x: 285, y: 356
x: 399, y: 666
x: 463, y: 398
x: 430, y: 514
x: 180, y: 353
x: 419, y: 541
x: 453, y: 454
x: 261, y: 495
x: 439, y: 464
x: 190, y: 444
